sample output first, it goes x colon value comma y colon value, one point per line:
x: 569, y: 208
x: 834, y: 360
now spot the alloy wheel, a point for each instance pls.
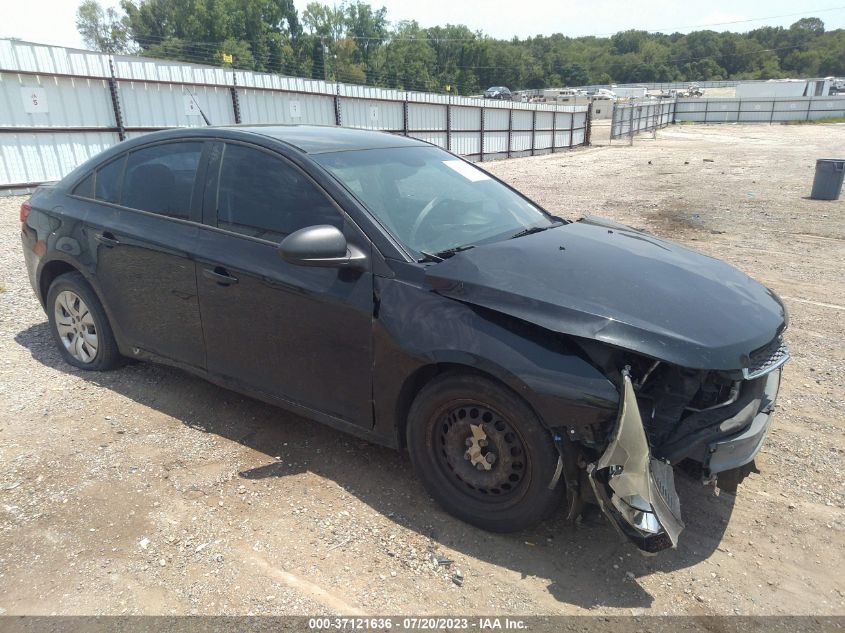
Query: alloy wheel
x: 76, y: 326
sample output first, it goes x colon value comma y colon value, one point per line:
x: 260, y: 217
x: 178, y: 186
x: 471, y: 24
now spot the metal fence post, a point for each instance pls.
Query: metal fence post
x: 809, y: 106
x: 236, y: 104
x: 612, y: 121
x: 533, y: 130
x: 772, y: 114
x: 449, y: 123
x: 481, y: 139
x: 554, y: 129
x: 510, y: 129
x: 631, y: 125
x: 338, y: 120
x: 707, y: 105
x: 655, y: 111
x: 405, y: 115
x: 115, y: 103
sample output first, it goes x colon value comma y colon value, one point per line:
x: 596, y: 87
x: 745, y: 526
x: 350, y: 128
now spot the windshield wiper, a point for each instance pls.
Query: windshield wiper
x: 452, y: 251
x: 429, y: 257
x: 532, y: 230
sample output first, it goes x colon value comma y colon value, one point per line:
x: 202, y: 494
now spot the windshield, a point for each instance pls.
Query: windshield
x: 431, y: 201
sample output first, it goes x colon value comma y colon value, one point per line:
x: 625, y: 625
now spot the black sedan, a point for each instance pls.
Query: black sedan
x: 498, y: 92
x: 392, y: 290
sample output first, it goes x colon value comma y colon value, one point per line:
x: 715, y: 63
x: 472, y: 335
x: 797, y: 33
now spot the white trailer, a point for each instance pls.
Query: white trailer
x: 819, y: 87
x: 629, y: 92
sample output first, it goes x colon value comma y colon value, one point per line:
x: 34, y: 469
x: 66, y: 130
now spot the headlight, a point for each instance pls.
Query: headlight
x: 638, y: 512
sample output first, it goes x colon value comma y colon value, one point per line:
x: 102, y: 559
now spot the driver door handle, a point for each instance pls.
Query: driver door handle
x: 220, y: 275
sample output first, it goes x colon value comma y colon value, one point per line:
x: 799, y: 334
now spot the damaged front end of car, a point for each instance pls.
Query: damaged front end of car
x: 633, y: 488
x: 667, y: 414
x: 692, y: 346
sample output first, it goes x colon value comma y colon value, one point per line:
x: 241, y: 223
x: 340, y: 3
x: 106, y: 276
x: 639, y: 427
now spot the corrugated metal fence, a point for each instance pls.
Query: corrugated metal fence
x: 633, y: 118
x: 60, y: 106
x: 759, y: 109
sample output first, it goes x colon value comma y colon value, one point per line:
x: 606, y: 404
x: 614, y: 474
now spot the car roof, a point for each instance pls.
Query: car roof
x: 319, y: 139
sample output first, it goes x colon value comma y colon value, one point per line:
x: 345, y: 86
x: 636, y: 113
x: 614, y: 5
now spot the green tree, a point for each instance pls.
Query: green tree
x: 102, y: 29
x: 368, y: 28
x: 354, y: 42
x: 259, y: 34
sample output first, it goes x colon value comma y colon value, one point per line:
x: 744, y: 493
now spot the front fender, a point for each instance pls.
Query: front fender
x: 416, y: 328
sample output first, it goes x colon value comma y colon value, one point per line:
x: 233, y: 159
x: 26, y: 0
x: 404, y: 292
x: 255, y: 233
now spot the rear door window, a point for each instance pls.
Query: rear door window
x: 160, y: 178
x: 264, y: 196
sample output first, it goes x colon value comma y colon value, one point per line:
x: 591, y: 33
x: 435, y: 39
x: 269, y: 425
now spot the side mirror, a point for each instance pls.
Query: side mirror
x: 320, y: 245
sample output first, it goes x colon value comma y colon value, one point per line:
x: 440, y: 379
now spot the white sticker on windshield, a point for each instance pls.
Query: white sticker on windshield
x: 466, y: 170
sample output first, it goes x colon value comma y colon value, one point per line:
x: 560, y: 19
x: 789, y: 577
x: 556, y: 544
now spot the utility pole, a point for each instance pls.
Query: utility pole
x: 325, y: 58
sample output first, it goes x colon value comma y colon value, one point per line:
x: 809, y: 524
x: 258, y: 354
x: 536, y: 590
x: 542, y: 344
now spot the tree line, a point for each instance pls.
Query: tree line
x: 355, y: 43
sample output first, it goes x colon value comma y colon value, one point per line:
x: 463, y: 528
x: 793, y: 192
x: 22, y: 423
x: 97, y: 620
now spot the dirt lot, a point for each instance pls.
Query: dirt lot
x: 146, y: 490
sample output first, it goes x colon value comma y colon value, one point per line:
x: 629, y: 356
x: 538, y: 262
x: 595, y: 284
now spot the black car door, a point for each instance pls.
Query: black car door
x: 145, y: 241
x: 298, y: 333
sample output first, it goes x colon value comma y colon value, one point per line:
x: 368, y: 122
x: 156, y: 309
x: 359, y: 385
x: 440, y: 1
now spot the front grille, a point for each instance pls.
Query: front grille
x: 766, y: 359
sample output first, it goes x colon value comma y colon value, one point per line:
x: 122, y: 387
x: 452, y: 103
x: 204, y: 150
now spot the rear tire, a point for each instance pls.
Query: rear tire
x: 79, y: 324
x: 455, y: 423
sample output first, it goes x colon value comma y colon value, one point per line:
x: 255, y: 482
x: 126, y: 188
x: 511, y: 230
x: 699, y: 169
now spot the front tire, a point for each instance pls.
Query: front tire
x: 79, y: 324
x: 481, y: 452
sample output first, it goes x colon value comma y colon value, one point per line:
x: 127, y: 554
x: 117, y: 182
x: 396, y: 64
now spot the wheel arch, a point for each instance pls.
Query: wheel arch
x: 48, y: 274
x: 416, y: 381
x: 51, y: 270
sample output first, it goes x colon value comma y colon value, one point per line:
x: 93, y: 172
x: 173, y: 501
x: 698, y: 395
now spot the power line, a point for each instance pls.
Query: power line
x: 481, y: 37
x: 195, y: 53
x: 275, y: 60
x: 807, y: 13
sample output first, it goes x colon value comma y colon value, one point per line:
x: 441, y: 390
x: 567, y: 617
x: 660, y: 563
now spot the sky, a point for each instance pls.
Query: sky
x: 53, y: 21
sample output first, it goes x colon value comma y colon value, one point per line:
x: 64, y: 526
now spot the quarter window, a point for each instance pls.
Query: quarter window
x: 107, y: 181
x: 263, y: 196
x: 86, y: 187
x: 160, y: 178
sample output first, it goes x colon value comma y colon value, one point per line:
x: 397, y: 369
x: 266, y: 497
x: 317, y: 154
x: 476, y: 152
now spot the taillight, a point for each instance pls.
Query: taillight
x: 25, y: 209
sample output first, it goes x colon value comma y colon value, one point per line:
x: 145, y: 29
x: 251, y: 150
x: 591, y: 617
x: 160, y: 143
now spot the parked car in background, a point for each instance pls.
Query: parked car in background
x: 387, y: 288
x: 498, y: 92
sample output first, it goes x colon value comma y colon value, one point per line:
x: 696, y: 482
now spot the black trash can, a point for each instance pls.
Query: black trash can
x: 827, y: 184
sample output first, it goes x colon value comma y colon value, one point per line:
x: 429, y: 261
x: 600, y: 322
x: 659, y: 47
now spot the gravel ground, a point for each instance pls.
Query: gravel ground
x: 148, y: 491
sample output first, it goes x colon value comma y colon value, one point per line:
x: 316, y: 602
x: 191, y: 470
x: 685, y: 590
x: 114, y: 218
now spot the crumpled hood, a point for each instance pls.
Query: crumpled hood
x: 604, y: 281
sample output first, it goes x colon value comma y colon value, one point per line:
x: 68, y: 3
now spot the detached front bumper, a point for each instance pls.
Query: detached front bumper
x: 635, y: 490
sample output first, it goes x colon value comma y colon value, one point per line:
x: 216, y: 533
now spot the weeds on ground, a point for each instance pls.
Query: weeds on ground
x: 833, y: 119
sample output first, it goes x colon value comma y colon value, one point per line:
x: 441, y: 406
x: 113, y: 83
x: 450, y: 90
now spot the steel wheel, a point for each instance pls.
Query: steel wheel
x: 76, y: 327
x: 480, y: 451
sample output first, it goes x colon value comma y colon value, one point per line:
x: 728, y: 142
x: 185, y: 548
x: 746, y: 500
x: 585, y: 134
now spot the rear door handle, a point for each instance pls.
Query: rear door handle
x: 220, y: 275
x: 106, y: 239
